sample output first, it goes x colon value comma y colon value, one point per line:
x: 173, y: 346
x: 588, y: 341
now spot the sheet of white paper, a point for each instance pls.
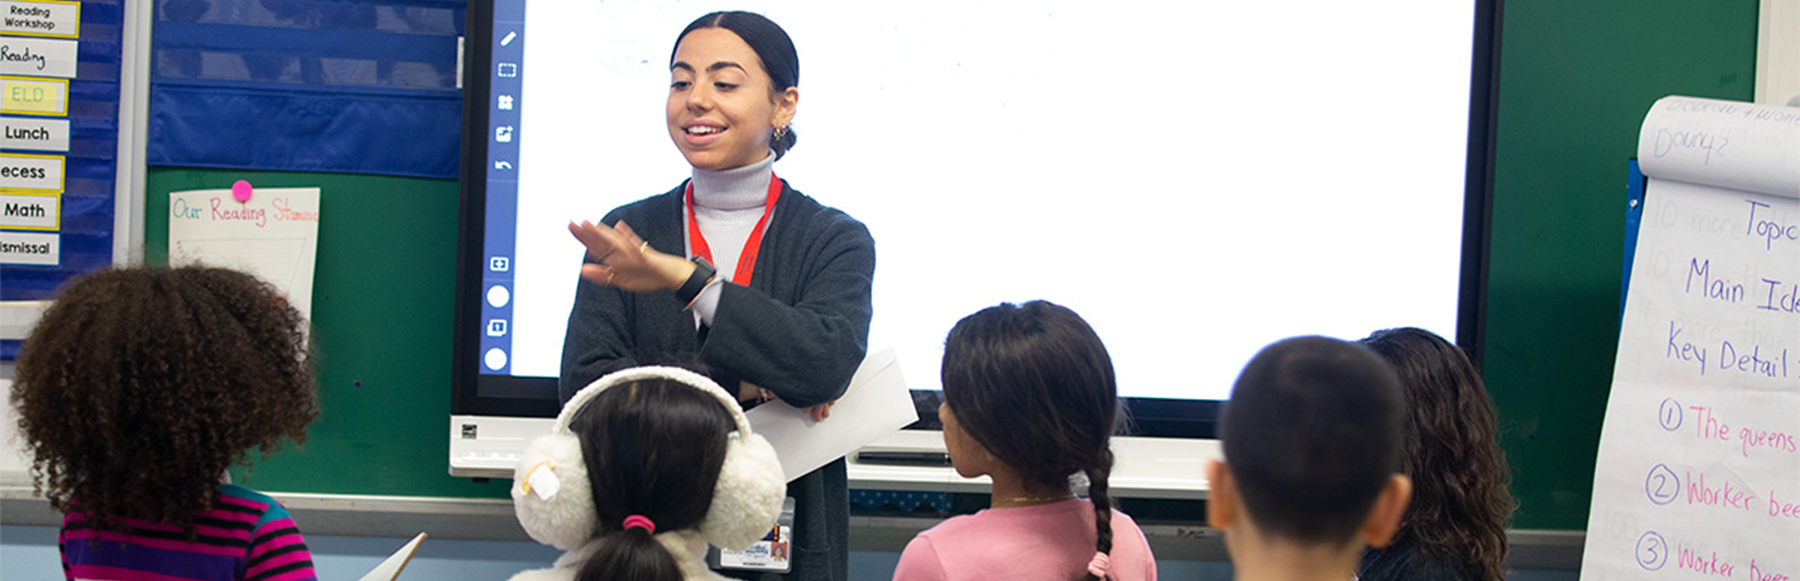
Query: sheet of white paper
x: 274, y: 236
x: 876, y: 404
x: 1698, y: 473
x: 390, y: 569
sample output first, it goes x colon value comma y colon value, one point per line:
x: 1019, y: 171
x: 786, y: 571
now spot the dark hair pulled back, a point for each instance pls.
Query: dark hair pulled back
x: 653, y: 448
x: 772, y: 46
x: 1001, y: 361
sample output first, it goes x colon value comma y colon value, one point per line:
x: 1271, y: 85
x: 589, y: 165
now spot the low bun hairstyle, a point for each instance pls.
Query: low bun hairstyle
x: 772, y: 46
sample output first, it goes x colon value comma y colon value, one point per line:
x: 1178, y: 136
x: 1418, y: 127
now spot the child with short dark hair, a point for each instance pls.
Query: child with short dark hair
x: 1030, y: 400
x: 1312, y: 459
x: 136, y: 391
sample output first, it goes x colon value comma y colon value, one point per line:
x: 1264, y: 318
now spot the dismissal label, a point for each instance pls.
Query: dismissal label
x: 24, y: 171
x: 36, y: 134
x: 30, y: 248
x: 34, y: 96
x: 38, y: 57
x: 30, y: 211
x: 50, y: 18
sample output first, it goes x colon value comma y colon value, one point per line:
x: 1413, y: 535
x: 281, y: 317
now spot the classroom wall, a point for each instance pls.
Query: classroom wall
x: 1576, y: 79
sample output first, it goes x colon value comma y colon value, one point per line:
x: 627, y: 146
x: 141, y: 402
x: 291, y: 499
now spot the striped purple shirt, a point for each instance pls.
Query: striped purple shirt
x: 246, y: 537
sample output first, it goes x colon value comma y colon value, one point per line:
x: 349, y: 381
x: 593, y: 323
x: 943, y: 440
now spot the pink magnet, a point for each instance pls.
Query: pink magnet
x: 241, y: 191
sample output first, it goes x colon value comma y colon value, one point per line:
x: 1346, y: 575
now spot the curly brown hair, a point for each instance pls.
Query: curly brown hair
x: 139, y: 387
x: 1460, y: 505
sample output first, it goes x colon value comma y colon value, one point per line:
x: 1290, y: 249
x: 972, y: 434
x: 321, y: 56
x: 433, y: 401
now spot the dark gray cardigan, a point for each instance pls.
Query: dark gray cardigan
x: 799, y: 330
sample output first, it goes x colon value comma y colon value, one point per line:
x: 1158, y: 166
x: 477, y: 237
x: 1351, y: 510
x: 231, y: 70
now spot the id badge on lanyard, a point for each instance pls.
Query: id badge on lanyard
x: 772, y: 554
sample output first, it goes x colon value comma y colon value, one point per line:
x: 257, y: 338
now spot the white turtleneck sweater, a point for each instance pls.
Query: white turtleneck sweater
x: 727, y: 203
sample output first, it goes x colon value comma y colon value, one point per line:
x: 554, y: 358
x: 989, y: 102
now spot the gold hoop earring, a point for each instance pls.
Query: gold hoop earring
x: 780, y: 131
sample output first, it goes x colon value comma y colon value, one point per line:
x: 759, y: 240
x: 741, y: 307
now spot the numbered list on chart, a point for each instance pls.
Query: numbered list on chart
x: 1698, y: 475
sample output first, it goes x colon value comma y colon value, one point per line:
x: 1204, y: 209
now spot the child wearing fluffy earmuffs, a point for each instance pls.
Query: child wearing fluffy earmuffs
x: 643, y: 468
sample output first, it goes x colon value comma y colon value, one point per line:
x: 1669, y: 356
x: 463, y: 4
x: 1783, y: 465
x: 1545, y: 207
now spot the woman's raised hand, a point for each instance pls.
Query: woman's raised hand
x: 626, y: 261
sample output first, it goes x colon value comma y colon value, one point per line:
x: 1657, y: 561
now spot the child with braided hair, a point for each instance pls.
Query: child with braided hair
x: 1030, y: 400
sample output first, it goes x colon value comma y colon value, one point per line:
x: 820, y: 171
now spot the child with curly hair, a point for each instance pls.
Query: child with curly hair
x: 1455, y: 528
x: 136, y: 391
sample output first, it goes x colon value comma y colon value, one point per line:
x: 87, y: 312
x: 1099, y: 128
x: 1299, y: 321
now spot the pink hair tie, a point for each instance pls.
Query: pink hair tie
x: 1097, y: 567
x: 638, y: 521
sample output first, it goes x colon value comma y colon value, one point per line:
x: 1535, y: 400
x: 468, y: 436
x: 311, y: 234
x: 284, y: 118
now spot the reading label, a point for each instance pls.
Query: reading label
x: 43, y: 18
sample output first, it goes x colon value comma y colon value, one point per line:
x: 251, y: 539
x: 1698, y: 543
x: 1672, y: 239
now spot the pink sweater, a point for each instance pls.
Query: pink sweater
x: 1047, y: 541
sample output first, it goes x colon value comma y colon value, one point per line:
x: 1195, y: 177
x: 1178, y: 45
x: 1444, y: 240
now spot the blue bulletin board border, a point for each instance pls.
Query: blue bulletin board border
x: 1635, y: 182
x: 90, y: 167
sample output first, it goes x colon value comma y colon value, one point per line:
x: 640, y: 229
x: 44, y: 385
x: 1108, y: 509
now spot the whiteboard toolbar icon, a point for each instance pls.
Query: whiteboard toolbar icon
x: 508, y: 70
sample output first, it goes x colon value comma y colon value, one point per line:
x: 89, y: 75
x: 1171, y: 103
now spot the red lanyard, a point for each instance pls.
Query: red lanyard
x: 746, y: 264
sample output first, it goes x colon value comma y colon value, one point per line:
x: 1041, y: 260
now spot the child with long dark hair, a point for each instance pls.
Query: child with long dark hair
x: 1455, y: 529
x: 643, y: 468
x: 136, y: 391
x: 1029, y: 401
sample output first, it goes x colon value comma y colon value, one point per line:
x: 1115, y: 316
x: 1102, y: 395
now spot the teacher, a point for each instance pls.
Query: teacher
x: 767, y: 287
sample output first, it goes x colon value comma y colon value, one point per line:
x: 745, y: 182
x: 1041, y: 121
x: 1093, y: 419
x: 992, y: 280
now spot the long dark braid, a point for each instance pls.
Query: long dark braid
x: 1097, y: 494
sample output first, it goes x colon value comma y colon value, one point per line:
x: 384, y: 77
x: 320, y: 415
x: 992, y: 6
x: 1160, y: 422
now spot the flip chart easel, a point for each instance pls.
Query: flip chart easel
x: 1698, y: 475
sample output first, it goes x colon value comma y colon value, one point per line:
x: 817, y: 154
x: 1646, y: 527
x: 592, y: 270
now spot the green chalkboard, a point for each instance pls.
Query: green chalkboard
x: 382, y: 295
x: 1576, y: 79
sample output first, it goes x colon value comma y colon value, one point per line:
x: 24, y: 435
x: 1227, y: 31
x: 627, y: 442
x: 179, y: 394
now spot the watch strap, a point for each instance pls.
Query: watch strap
x: 696, y: 282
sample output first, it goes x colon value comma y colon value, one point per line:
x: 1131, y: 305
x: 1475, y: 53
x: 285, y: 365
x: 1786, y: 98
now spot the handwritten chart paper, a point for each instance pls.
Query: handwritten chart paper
x: 273, y: 234
x: 1698, y: 475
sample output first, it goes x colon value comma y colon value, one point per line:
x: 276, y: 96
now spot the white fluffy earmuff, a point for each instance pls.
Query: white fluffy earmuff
x: 555, y: 504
